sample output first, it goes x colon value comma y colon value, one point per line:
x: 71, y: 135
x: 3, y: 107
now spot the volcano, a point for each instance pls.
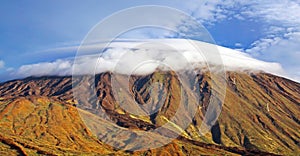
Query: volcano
x: 43, y: 116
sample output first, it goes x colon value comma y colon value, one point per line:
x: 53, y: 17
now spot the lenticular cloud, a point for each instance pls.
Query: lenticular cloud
x: 146, y: 56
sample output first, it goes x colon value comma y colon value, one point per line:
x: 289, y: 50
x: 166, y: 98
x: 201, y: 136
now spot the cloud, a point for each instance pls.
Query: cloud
x: 285, y: 50
x: 2, y: 64
x: 59, y: 67
x: 279, y: 19
x: 238, y: 45
x: 143, y: 57
x: 209, y: 11
x: 270, y: 11
x: 284, y: 11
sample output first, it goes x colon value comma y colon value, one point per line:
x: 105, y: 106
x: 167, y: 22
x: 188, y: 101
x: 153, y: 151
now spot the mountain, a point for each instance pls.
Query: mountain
x: 40, y: 115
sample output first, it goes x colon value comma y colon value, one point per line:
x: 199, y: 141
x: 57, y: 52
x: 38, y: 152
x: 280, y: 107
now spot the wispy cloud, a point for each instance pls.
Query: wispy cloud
x: 123, y: 57
x: 2, y: 64
x: 283, y: 11
x: 285, y: 50
x: 286, y: 12
x: 280, y: 21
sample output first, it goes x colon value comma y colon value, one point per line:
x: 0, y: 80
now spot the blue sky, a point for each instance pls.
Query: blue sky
x: 37, y: 31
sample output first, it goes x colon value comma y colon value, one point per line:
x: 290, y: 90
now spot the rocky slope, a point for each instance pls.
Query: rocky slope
x: 39, y: 115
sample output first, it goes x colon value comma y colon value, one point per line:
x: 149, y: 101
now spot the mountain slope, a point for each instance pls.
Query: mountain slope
x: 260, y: 113
x: 38, y: 125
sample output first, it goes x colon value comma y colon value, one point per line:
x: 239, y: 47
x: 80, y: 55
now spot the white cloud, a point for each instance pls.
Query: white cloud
x: 2, y: 64
x: 238, y: 45
x: 284, y: 11
x: 59, y: 67
x: 280, y: 12
x: 146, y: 56
x: 209, y: 11
x: 280, y: 20
x: 262, y: 44
x: 285, y: 50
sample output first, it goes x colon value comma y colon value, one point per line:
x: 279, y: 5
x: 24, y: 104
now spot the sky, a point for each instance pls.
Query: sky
x: 39, y: 32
